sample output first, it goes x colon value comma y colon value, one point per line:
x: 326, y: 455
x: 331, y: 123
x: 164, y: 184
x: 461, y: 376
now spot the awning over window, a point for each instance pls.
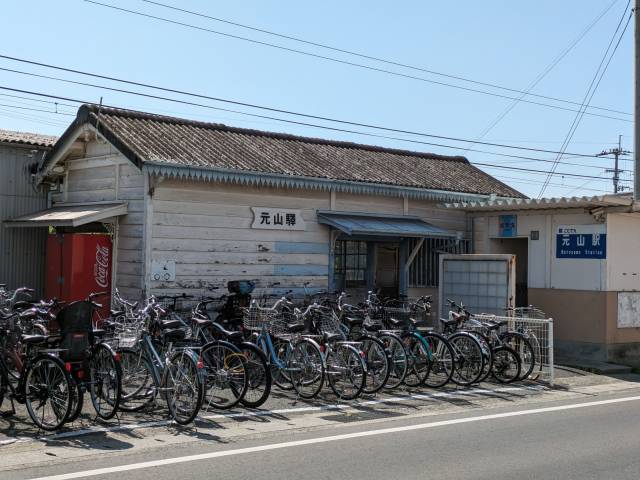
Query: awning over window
x: 355, y: 223
x: 69, y: 215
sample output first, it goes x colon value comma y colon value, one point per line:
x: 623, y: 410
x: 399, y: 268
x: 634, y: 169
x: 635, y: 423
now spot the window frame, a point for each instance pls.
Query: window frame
x: 424, y: 271
x: 350, y: 262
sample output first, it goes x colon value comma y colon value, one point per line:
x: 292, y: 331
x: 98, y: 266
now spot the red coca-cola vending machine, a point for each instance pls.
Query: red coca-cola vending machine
x: 79, y: 264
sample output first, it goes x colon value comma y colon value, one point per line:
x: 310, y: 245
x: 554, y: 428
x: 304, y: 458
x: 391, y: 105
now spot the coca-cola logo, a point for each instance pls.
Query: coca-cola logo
x: 101, y: 267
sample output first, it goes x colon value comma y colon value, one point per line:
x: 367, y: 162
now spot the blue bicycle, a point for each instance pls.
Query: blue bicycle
x: 295, y: 360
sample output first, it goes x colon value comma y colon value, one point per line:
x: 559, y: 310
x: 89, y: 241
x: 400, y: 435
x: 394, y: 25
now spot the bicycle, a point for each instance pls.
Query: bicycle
x: 432, y: 356
x: 157, y: 366
x: 499, y: 360
x: 362, y: 324
x: 258, y: 372
x: 344, y: 363
x: 295, y: 361
x: 43, y: 386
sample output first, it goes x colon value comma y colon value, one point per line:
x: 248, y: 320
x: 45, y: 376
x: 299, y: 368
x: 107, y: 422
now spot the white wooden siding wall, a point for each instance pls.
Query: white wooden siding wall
x: 448, y: 219
x: 206, y: 228
x: 109, y: 176
x: 350, y: 202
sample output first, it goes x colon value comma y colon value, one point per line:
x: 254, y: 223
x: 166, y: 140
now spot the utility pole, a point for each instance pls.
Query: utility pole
x: 636, y: 109
x: 617, y: 153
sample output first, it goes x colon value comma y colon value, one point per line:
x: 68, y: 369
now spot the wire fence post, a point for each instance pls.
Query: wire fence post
x: 550, y: 350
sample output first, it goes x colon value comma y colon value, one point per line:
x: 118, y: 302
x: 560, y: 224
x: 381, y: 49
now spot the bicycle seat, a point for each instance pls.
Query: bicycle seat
x: 396, y: 323
x: 22, y: 304
x: 170, y: 324
x: 353, y: 322
x: 33, y: 339
x: 295, y: 327
x: 372, y: 327
x: 202, y: 322
x: 419, y: 323
x: 497, y: 325
x: 332, y: 337
x: 449, y: 323
x: 174, y: 334
x: 230, y: 334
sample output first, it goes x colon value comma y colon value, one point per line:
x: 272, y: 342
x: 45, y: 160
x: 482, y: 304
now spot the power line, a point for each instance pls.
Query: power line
x: 245, y: 104
x: 384, y: 60
x: 534, y: 182
x: 358, y: 65
x: 52, y: 102
x: 543, y: 74
x: 520, y: 169
x: 521, y: 157
x: 36, y: 110
x: 329, y: 128
x: 593, y: 86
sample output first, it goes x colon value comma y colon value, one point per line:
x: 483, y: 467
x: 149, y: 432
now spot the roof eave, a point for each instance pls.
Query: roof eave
x: 543, y: 204
x: 317, y: 183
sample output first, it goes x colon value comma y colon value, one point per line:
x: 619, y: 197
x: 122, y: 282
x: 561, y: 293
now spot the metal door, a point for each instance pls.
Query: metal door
x: 484, y: 283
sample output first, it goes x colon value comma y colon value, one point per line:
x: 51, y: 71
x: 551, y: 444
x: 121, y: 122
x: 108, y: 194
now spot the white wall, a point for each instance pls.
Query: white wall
x: 206, y: 229
x: 623, y: 252
x: 111, y: 177
x: 545, y: 270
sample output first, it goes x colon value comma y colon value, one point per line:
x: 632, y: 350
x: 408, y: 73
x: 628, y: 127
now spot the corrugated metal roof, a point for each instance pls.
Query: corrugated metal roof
x: 381, y: 225
x: 612, y: 200
x: 27, y: 138
x: 148, y: 138
x: 69, y: 215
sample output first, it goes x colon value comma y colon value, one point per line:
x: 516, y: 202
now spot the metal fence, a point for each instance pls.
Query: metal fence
x: 539, y: 332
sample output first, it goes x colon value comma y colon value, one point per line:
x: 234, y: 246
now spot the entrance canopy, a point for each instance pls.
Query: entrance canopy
x: 355, y: 223
x: 70, y: 215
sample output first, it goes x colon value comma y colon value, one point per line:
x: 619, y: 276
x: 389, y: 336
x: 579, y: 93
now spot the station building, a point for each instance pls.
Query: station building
x: 187, y: 205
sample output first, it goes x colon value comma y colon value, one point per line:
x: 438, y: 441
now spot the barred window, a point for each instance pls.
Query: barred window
x: 423, y: 272
x: 350, y: 263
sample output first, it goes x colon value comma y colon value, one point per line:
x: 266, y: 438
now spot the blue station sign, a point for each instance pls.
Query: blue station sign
x: 581, y: 241
x: 508, y: 226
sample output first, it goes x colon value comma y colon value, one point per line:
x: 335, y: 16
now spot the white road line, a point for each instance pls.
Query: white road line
x: 332, y: 438
x: 267, y: 413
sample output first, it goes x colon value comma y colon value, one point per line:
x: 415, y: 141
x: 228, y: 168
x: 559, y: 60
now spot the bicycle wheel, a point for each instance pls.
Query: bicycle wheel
x: 346, y: 371
x: 442, y: 360
x: 225, y: 374
x: 506, y: 364
x: 137, y: 389
x: 469, y: 359
x: 77, y: 400
x: 47, y: 390
x: 523, y: 347
x: 305, y: 368
x: 105, y: 381
x: 397, y: 357
x: 259, y: 376
x: 183, y: 386
x: 487, y: 355
x: 418, y: 359
x: 378, y: 364
x: 279, y: 375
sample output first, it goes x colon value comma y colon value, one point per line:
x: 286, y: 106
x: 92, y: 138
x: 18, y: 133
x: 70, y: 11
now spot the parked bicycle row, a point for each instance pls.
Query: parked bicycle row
x: 231, y: 350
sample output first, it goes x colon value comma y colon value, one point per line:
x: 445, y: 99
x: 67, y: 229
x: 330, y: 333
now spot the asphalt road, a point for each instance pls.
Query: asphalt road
x: 587, y: 438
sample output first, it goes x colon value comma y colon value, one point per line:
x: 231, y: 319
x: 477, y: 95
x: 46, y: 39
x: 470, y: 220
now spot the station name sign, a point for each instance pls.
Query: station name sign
x: 581, y: 241
x: 267, y: 218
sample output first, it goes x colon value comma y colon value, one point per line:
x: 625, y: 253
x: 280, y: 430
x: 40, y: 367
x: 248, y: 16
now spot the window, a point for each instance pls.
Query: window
x: 423, y: 272
x: 350, y: 263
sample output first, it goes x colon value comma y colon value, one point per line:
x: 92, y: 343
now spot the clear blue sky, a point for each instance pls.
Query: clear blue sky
x: 502, y: 42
